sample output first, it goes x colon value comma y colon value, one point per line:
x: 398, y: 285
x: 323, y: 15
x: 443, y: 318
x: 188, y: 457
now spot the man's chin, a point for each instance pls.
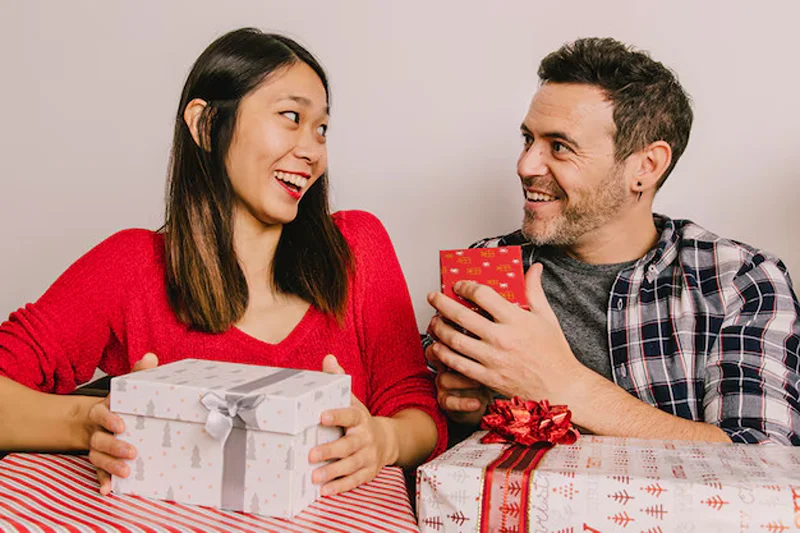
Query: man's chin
x: 537, y: 231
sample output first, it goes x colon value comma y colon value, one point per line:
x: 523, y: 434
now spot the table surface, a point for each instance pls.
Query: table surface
x: 55, y: 493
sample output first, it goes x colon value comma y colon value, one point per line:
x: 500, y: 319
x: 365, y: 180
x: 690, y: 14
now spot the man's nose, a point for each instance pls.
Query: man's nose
x: 532, y: 161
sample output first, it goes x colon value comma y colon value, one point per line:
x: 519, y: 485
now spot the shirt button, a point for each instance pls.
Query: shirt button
x: 620, y: 304
x: 623, y: 372
x: 652, y: 269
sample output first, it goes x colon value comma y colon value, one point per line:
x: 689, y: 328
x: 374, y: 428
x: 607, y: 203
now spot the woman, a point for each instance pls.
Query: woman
x: 249, y: 267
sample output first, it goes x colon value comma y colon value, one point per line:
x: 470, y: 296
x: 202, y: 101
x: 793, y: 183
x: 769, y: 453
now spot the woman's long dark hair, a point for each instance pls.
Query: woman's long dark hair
x: 206, y: 286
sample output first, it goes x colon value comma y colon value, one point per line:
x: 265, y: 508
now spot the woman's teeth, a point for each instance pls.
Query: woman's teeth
x: 298, y: 181
x: 538, y: 197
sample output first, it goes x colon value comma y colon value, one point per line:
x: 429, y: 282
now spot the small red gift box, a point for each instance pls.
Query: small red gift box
x: 499, y: 268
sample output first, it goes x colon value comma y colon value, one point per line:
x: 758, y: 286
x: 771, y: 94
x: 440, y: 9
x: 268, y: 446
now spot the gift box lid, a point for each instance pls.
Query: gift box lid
x: 258, y: 397
x: 499, y: 268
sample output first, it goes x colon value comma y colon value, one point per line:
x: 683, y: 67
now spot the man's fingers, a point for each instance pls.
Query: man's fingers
x: 455, y: 312
x: 105, y: 481
x: 112, y: 465
x: 455, y: 381
x: 487, y: 299
x: 457, y: 341
x: 434, y: 364
x: 102, y: 416
x: 150, y: 360
x: 460, y: 404
x: 464, y: 365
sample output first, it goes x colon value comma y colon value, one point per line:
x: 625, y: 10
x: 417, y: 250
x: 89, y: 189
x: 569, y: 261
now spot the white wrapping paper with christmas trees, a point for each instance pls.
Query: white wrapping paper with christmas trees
x: 605, y: 484
x: 226, y: 435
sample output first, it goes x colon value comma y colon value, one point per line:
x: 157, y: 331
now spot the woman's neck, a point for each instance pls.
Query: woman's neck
x: 255, y: 244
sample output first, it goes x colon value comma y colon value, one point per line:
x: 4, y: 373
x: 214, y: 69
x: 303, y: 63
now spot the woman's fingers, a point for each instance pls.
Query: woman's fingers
x: 101, y: 415
x: 349, y: 482
x: 337, y: 469
x: 112, y: 446
x: 110, y: 464
x: 105, y: 481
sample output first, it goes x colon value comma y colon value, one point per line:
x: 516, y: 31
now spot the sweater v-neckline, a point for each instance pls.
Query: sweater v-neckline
x: 308, y: 322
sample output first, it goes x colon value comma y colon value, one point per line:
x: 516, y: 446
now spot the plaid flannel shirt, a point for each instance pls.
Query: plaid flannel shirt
x: 707, y: 329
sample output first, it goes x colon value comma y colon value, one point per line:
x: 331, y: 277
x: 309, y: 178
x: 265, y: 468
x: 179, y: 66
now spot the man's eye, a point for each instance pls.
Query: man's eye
x: 294, y: 116
x: 527, y: 139
x: 322, y: 130
x: 560, y: 148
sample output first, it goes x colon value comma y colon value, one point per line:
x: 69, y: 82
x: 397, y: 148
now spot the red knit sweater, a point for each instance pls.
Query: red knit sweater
x: 110, y: 308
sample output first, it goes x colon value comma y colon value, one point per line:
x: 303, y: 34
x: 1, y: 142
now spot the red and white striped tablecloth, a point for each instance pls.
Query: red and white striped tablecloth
x: 59, y: 493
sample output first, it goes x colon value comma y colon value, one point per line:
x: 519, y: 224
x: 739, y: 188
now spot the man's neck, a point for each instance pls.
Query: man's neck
x: 626, y: 239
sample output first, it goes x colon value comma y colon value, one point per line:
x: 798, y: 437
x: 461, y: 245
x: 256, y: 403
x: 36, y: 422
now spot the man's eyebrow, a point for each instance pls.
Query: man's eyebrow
x: 552, y: 135
x: 302, y: 100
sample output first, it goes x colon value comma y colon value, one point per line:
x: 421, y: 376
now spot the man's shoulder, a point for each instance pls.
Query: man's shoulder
x: 704, y: 251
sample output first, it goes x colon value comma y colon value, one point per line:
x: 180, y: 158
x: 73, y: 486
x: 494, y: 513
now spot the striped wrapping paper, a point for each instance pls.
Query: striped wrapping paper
x: 45, y: 493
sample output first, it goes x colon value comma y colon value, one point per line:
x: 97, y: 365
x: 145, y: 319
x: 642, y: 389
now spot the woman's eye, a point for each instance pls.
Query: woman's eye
x: 323, y: 130
x: 294, y: 116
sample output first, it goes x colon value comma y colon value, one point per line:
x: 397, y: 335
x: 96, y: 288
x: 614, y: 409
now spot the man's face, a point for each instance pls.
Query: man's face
x: 571, y: 181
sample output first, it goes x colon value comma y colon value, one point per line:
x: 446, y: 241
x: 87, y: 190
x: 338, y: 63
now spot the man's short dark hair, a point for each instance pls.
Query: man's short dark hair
x: 649, y: 103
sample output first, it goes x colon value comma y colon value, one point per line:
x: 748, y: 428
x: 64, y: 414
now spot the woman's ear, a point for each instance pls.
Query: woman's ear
x: 191, y: 116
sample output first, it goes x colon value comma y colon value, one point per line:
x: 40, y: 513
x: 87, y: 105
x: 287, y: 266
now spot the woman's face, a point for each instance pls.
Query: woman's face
x: 278, y: 147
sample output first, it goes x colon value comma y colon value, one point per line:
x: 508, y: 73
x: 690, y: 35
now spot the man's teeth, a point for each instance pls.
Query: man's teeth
x: 538, y: 197
x: 298, y: 181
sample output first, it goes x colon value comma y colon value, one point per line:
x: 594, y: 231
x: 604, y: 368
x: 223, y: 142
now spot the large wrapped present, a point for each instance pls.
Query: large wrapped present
x: 499, y: 268
x: 604, y: 484
x: 226, y: 435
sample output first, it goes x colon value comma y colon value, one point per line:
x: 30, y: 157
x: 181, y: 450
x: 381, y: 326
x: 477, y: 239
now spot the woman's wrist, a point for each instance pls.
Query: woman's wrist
x: 391, y: 433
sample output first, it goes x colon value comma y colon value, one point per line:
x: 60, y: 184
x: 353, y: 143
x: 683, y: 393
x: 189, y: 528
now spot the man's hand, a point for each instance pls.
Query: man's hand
x: 106, y: 452
x: 369, y: 444
x: 522, y: 353
x: 464, y: 400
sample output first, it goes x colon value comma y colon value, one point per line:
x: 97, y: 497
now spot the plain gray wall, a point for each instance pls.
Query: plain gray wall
x: 427, y: 101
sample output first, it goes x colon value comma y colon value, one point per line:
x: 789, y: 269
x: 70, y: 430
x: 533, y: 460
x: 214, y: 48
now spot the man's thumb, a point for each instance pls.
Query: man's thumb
x: 533, y: 287
x: 331, y: 365
x: 150, y: 360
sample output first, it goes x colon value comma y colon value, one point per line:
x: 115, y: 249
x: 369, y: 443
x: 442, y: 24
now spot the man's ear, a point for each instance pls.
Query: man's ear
x: 191, y: 116
x: 650, y: 165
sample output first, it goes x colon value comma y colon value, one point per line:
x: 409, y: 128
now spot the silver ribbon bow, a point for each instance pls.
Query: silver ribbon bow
x: 223, y: 412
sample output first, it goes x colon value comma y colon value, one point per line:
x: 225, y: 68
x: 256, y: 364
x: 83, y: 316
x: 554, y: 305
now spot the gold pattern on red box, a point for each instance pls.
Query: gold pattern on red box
x: 498, y: 268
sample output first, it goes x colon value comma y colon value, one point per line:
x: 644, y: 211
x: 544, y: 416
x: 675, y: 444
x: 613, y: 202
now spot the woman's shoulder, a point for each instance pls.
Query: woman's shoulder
x: 127, y: 250
x: 133, y: 241
x: 359, y: 227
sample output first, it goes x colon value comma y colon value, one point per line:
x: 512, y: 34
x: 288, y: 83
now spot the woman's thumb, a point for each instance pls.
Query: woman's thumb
x: 331, y: 365
x: 150, y: 360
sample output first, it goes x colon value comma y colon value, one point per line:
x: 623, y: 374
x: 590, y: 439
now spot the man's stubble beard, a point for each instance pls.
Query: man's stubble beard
x: 588, y: 210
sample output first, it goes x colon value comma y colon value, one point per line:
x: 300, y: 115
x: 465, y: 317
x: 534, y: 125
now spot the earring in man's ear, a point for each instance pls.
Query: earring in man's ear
x: 639, y: 184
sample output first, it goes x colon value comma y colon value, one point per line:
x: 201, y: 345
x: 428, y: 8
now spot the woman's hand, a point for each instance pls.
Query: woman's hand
x: 106, y: 452
x: 369, y: 444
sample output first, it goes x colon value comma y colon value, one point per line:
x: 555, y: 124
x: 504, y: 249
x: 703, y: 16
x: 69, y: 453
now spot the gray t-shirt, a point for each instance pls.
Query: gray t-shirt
x: 578, y: 293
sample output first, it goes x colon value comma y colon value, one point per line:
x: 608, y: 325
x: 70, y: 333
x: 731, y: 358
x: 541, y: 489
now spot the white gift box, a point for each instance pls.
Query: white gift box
x: 604, y: 484
x: 226, y: 435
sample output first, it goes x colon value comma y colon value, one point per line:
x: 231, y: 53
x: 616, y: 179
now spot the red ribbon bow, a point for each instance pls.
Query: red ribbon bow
x: 527, y: 422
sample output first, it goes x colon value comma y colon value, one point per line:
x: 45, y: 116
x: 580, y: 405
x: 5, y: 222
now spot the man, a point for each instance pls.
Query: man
x: 644, y: 326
